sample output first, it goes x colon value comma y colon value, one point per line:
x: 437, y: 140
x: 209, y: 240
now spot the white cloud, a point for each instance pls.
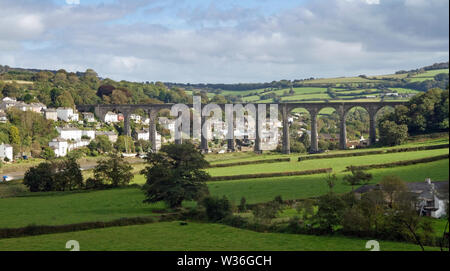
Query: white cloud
x: 320, y: 38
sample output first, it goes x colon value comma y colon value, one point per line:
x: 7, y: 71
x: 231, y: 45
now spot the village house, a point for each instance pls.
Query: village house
x: 143, y: 134
x: 60, y: 146
x: 78, y: 144
x: 22, y: 106
x: 37, y: 107
x: 111, y: 117
x: 51, y: 114
x: 7, y: 102
x: 88, y: 116
x: 432, y: 197
x: 70, y: 133
x: 166, y: 123
x: 3, y: 117
x: 6, y: 151
x: 66, y: 114
x: 135, y: 118
x: 88, y: 134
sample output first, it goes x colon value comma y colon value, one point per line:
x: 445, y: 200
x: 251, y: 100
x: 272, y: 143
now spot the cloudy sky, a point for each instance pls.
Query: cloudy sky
x: 224, y: 41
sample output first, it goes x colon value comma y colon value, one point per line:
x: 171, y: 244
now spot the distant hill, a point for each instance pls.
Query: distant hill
x: 87, y: 87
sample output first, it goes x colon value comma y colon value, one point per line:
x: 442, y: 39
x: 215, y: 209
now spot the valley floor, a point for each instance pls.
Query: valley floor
x: 168, y: 236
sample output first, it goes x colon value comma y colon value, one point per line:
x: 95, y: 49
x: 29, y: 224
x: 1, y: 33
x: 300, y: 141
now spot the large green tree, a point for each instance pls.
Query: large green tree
x: 114, y: 170
x: 175, y: 174
x: 392, y: 133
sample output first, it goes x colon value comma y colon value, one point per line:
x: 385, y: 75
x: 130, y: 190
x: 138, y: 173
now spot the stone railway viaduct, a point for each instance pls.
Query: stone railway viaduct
x: 342, y: 108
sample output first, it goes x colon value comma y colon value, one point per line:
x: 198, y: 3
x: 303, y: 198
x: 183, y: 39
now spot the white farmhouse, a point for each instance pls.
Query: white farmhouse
x: 143, y: 134
x: 3, y: 117
x: 6, y: 151
x: 50, y: 114
x: 135, y: 118
x: 111, y: 117
x: 66, y: 114
x: 88, y: 133
x: 88, y: 116
x: 60, y: 146
x: 69, y: 133
x: 37, y: 107
x: 7, y: 102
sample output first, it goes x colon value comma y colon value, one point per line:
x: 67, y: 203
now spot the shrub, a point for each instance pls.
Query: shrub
x: 392, y: 134
x: 266, y: 212
x: 92, y: 183
x: 297, y: 147
x: 330, y: 211
x: 357, y: 177
x: 48, y: 153
x: 278, y: 199
x: 243, y: 205
x: 216, y: 208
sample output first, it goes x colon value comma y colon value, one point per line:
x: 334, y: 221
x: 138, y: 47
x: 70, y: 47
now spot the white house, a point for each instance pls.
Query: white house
x: 143, y: 134
x: 60, y: 146
x: 37, y: 107
x: 50, y: 114
x: 135, y: 118
x: 88, y: 133
x: 7, y: 102
x: 111, y: 117
x: 6, y: 151
x: 3, y: 117
x: 78, y: 144
x: 69, y: 133
x: 66, y: 114
x: 88, y: 116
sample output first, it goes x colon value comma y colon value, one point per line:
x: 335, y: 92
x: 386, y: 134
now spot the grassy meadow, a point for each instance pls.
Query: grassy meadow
x: 194, y: 237
x: 61, y: 208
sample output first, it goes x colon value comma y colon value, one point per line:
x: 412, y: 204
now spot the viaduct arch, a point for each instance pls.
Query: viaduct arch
x: 342, y: 108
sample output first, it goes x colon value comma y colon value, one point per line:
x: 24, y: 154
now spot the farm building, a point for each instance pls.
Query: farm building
x: 6, y: 151
x: 432, y: 197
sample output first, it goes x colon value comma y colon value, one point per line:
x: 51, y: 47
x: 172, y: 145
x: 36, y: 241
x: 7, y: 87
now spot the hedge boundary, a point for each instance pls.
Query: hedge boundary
x: 401, y: 163
x: 32, y: 230
x: 408, y: 149
x: 243, y: 163
x: 271, y: 174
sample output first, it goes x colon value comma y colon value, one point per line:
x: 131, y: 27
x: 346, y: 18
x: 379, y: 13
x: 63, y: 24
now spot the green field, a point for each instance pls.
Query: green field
x: 233, y: 157
x: 428, y: 75
x: 299, y: 187
x: 338, y: 164
x: 193, y: 237
x: 65, y: 208
x: 60, y: 208
x: 405, y: 90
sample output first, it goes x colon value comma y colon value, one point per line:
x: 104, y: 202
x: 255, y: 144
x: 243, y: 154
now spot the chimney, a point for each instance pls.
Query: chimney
x: 428, y: 180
